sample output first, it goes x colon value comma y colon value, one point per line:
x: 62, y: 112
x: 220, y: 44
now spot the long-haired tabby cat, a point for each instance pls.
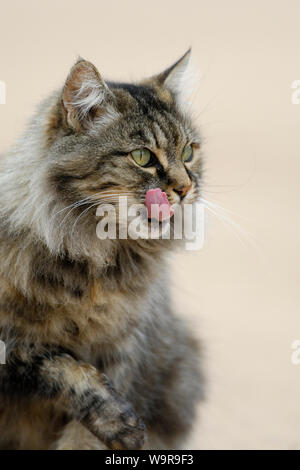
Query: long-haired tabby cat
x: 96, y: 358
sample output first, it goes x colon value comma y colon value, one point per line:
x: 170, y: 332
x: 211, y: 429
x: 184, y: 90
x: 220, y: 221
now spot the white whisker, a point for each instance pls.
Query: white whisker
x: 237, y: 230
x: 216, y: 206
x: 94, y: 197
x: 82, y: 213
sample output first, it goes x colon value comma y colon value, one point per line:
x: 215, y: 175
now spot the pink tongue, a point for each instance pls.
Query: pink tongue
x: 158, y: 205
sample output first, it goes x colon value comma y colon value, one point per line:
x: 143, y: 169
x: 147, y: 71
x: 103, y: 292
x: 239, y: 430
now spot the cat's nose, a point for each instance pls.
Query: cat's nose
x: 182, y: 190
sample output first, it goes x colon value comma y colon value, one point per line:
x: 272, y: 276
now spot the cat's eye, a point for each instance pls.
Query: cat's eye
x: 142, y: 156
x: 187, y: 154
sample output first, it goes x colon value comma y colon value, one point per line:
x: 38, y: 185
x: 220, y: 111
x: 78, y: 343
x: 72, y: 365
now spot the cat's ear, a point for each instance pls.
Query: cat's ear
x: 180, y: 79
x: 85, y: 95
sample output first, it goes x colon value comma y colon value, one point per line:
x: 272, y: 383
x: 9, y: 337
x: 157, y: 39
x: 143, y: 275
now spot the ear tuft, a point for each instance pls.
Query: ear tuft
x: 180, y: 79
x: 84, y: 94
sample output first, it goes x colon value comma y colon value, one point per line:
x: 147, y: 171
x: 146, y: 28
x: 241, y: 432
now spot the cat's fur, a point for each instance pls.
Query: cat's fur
x: 94, y: 352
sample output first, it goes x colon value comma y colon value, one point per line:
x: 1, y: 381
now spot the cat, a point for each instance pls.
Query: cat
x: 95, y: 356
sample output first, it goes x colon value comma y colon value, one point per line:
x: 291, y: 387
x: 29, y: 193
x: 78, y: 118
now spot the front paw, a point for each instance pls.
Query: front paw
x: 128, y: 433
x: 115, y: 423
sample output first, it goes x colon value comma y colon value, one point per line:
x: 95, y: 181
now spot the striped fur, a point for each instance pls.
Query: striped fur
x: 94, y: 351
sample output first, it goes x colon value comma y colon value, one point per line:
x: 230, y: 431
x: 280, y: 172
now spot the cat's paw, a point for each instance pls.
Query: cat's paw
x: 115, y: 423
x: 130, y: 435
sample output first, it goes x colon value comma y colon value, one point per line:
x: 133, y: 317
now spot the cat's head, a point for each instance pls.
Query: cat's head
x: 109, y: 139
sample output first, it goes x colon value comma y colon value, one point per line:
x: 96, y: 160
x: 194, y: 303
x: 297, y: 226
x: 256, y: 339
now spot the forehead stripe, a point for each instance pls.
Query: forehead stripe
x: 160, y: 135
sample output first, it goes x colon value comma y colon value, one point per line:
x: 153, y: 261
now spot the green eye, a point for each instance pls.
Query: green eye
x: 141, y: 156
x: 187, y: 154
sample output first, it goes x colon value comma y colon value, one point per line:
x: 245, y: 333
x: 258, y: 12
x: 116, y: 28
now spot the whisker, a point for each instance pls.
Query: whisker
x: 71, y: 210
x: 227, y: 221
x: 82, y: 213
x: 86, y: 210
x: 93, y: 196
x: 87, y: 200
x: 216, y: 205
x: 109, y: 198
x: 97, y: 203
x: 104, y: 193
x: 74, y: 204
x: 101, y: 198
x: 227, y: 224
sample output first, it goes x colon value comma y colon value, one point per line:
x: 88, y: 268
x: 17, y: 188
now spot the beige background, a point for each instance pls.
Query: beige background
x: 241, y: 295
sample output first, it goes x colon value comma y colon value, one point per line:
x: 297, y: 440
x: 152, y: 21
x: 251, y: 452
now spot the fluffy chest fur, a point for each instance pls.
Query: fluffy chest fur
x: 75, y: 304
